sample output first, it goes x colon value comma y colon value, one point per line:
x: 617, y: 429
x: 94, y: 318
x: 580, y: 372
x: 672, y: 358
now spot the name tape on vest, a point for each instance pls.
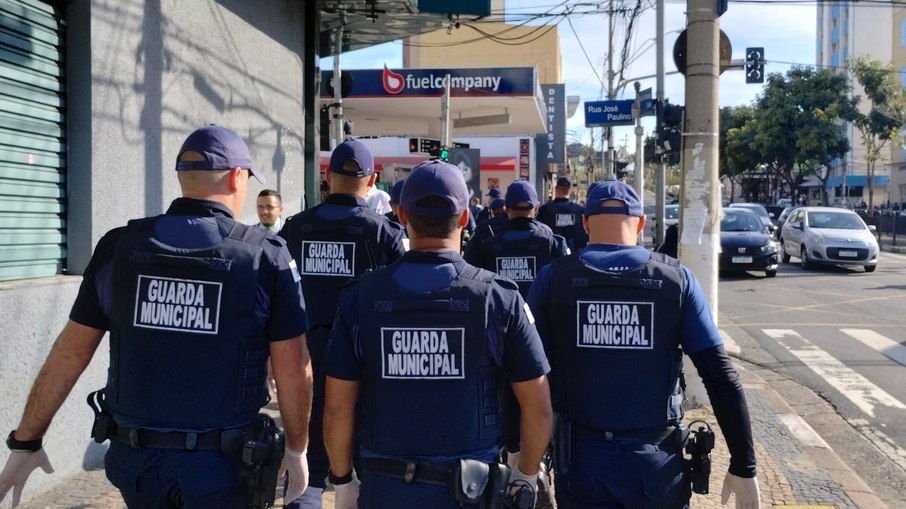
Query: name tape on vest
x: 565, y: 219
x: 182, y: 305
x: 517, y: 268
x: 328, y: 258
x: 423, y: 353
x: 622, y: 325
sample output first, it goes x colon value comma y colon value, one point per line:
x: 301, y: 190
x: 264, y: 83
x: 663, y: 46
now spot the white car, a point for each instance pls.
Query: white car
x: 827, y: 235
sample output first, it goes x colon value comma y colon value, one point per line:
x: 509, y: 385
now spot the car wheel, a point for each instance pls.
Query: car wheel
x: 784, y: 256
x: 770, y: 273
x: 870, y: 268
x: 803, y: 258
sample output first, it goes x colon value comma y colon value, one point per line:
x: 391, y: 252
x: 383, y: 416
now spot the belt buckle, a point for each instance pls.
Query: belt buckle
x: 133, y: 439
x: 608, y: 436
x: 409, y: 474
x: 191, y: 440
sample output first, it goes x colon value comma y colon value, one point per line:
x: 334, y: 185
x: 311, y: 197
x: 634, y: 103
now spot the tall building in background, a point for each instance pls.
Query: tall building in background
x: 848, y: 29
x: 898, y: 156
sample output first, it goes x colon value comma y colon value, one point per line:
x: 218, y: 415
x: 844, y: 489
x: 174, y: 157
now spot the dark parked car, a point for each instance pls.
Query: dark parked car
x: 762, y: 213
x: 782, y: 219
x: 746, y: 244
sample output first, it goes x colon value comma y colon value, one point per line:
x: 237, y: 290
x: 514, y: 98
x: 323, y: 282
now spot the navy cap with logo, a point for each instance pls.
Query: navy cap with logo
x: 352, y: 150
x: 395, y: 192
x: 435, y: 178
x: 564, y: 182
x: 613, y: 190
x: 497, y: 203
x: 215, y: 148
x: 521, y: 195
x: 494, y: 192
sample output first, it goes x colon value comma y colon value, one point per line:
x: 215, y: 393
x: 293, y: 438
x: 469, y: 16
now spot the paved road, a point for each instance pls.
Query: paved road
x: 840, y: 333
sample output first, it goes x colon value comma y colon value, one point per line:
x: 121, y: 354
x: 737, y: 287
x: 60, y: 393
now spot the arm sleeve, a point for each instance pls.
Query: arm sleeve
x: 341, y: 359
x: 523, y: 353
x: 539, y: 302
x: 92, y: 304
x: 287, y: 318
x: 730, y: 408
x: 697, y: 329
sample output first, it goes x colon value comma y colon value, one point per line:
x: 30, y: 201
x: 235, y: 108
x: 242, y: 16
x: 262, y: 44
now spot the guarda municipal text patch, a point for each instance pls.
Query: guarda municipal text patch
x: 328, y: 258
x: 613, y: 324
x: 423, y: 353
x: 517, y: 268
x: 183, y: 305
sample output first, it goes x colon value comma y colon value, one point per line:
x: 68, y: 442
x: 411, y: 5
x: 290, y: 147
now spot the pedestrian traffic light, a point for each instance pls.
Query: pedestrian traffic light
x: 324, y: 128
x: 670, y: 127
x: 444, y: 154
x: 754, y: 65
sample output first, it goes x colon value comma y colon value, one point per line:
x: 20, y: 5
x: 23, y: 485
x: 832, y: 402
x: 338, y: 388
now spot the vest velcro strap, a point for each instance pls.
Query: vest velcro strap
x: 218, y: 264
x: 387, y: 306
x: 616, y: 282
x: 409, y: 471
x: 655, y: 436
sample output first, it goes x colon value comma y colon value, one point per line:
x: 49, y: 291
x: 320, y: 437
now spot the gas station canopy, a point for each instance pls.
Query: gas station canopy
x: 493, y: 101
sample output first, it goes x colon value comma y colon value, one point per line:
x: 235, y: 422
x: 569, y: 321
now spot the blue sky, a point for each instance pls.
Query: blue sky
x: 787, y: 32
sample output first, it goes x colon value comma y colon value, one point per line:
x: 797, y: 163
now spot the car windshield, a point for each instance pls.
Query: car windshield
x: 672, y: 212
x: 754, y: 207
x: 835, y: 220
x: 740, y: 222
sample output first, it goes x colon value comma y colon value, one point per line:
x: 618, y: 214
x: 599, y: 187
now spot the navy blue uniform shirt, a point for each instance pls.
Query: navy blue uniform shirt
x: 191, y: 224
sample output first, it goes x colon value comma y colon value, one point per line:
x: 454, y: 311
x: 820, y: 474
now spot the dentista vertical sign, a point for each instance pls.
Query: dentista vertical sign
x: 550, y: 147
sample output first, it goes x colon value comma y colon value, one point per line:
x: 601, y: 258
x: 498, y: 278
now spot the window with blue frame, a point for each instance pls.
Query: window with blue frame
x: 903, y: 32
x: 903, y: 77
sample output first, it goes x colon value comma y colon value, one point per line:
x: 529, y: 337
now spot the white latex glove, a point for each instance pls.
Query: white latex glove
x: 295, y: 464
x: 346, y: 496
x: 521, y: 492
x: 748, y: 495
x: 18, y: 467
x: 512, y: 459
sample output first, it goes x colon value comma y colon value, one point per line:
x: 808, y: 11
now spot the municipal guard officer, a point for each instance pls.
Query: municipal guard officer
x: 332, y: 243
x: 524, y: 246
x: 616, y: 367
x: 564, y: 217
x: 485, y: 213
x: 418, y: 351
x: 395, y: 200
x: 198, y: 302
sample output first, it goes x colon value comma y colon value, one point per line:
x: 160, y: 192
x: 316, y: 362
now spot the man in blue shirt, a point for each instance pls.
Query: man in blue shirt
x: 564, y: 217
x: 414, y: 367
x: 332, y: 243
x: 198, y: 304
x: 616, y: 366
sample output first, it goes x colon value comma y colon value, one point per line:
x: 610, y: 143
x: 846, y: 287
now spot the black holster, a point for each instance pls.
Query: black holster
x: 262, y: 455
x: 104, y: 426
x: 698, y: 465
x: 476, y: 484
x: 563, y: 444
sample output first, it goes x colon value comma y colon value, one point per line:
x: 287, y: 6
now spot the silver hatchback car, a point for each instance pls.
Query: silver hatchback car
x: 825, y: 235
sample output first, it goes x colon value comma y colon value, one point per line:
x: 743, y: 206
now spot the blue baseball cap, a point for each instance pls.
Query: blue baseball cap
x: 493, y: 192
x: 352, y: 150
x: 435, y: 178
x: 395, y: 192
x: 497, y: 203
x: 215, y: 148
x: 613, y: 190
x: 521, y: 195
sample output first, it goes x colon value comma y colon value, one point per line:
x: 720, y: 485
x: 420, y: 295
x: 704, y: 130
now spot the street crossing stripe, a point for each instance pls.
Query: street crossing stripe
x: 854, y: 386
x: 880, y: 343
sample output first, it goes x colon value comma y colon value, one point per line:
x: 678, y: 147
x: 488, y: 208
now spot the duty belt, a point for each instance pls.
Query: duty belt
x: 225, y: 440
x: 409, y: 471
x: 655, y: 436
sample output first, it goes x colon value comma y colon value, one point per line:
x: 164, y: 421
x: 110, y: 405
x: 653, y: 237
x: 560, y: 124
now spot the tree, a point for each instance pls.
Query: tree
x: 886, y: 106
x: 736, y: 156
x: 796, y: 125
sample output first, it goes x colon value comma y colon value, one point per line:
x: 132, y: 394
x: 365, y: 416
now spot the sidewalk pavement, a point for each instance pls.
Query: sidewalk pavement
x: 887, y: 243
x: 796, y: 468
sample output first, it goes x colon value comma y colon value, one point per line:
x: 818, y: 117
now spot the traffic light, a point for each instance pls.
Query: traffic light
x: 754, y: 65
x: 324, y: 128
x: 670, y: 127
x: 424, y: 145
x: 444, y: 154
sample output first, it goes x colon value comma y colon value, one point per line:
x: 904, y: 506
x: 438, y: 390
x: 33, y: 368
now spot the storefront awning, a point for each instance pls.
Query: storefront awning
x: 858, y: 181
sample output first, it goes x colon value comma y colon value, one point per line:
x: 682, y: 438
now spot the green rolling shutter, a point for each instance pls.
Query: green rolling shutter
x: 32, y: 141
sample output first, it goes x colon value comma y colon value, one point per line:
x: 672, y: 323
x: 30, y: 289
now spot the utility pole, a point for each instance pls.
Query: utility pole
x: 700, y: 233
x: 611, y: 94
x: 445, y: 138
x: 661, y: 184
x: 639, y: 159
x: 337, y: 86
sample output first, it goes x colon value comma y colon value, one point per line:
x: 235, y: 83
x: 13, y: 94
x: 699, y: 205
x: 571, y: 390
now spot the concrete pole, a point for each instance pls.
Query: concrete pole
x: 700, y: 234
x: 611, y: 94
x: 337, y: 93
x: 445, y: 128
x: 661, y: 196
x: 639, y: 160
